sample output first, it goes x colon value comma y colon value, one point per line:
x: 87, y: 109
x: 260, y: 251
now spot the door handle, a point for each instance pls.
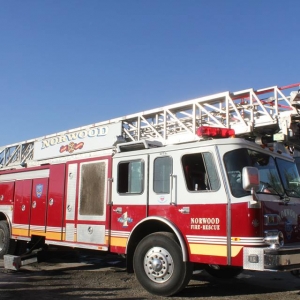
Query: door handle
x: 173, y: 186
x: 118, y: 210
x: 184, y: 210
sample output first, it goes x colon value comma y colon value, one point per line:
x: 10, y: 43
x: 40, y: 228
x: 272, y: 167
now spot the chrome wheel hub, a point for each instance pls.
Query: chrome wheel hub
x: 158, y: 264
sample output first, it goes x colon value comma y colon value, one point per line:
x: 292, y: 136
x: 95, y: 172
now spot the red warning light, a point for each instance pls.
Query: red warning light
x: 215, y: 132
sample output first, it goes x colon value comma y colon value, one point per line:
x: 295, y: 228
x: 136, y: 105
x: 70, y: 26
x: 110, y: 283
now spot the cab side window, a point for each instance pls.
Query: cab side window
x: 131, y: 177
x: 200, y: 172
x: 161, y: 177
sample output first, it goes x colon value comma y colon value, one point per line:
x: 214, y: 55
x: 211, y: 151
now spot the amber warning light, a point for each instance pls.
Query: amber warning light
x: 215, y: 132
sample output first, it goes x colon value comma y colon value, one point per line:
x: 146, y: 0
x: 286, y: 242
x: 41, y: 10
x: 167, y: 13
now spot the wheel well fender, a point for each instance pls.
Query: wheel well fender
x: 4, y: 217
x: 148, y: 226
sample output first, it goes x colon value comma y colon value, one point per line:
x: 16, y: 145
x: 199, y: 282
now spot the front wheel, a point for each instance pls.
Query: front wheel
x: 159, y: 266
x: 7, y: 246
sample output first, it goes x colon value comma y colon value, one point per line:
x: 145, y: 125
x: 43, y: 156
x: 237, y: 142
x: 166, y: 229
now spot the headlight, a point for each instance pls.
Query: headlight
x: 271, y: 219
x: 274, y: 238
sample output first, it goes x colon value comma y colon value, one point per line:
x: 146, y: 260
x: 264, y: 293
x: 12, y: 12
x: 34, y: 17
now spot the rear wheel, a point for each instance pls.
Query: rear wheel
x: 159, y: 266
x: 7, y: 245
x: 223, y: 272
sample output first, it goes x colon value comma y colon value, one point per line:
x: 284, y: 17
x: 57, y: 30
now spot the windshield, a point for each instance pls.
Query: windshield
x: 297, y: 161
x: 289, y: 176
x: 269, y: 178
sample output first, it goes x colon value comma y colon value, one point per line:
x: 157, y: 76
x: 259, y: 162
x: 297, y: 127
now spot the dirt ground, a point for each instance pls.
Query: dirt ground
x: 82, y: 275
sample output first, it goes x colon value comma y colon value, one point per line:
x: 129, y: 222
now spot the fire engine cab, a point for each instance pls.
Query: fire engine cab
x: 208, y: 183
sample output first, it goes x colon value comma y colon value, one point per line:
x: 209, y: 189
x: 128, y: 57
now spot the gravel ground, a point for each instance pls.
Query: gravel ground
x: 76, y: 275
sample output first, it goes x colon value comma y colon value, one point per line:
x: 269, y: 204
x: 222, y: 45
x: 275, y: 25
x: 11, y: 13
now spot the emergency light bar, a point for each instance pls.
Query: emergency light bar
x: 215, y: 132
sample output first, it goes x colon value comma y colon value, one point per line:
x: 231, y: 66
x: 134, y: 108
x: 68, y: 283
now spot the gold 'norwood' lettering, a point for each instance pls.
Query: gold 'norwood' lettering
x: 288, y: 213
x: 205, y: 221
x: 71, y: 136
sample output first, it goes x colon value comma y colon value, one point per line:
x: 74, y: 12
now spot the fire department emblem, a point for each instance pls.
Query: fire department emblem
x: 39, y: 190
x: 125, y: 219
x: 71, y: 147
x: 288, y: 229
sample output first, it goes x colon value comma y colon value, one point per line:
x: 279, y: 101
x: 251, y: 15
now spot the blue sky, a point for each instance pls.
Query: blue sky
x: 70, y: 63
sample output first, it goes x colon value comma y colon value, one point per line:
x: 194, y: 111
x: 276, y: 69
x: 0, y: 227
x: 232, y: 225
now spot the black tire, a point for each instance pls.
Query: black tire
x: 7, y: 245
x: 223, y: 272
x: 158, y: 265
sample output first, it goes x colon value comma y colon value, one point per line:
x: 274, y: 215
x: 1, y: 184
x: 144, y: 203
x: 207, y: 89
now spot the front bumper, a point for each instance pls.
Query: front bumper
x: 266, y: 259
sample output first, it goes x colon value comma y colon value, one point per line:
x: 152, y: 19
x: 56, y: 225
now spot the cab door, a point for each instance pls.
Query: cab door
x: 185, y: 188
x: 129, y: 197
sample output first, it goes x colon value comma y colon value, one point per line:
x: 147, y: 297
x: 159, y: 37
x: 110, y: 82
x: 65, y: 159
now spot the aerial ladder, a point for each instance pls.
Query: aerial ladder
x: 266, y: 115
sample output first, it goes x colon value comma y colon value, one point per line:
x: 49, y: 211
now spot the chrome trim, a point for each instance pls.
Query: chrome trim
x: 284, y: 259
x: 228, y: 196
x: 267, y: 218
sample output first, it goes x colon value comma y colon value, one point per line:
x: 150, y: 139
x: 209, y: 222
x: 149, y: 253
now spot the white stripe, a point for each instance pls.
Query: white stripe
x: 204, y: 240
x: 120, y: 233
x: 25, y: 175
x: 85, y: 246
x: 55, y: 229
x: 20, y: 226
x: 36, y: 227
x: 223, y: 240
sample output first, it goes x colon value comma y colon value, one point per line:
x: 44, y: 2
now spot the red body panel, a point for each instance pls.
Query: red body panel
x: 22, y: 205
x: 7, y: 193
x: 202, y: 221
x: 246, y: 222
x: 39, y: 202
x: 126, y: 220
x: 56, y: 196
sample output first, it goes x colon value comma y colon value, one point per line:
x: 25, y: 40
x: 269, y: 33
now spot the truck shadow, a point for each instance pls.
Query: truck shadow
x: 247, y: 283
x: 86, y: 275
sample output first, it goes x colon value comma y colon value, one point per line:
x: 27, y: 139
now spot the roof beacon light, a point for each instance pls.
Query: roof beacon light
x: 215, y: 132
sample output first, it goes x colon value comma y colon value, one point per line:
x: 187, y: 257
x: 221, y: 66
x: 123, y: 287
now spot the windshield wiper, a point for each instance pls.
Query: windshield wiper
x: 293, y: 192
x: 267, y: 185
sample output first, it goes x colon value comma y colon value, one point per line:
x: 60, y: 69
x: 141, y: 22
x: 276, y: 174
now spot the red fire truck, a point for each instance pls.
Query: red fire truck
x: 207, y: 183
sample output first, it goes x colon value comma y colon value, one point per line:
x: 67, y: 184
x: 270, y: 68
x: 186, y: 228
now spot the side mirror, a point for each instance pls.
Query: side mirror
x: 251, y: 179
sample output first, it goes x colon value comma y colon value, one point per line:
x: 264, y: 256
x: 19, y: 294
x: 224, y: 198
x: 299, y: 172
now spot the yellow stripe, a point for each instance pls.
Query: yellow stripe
x: 22, y: 232
x: 37, y: 232
x: 118, y: 242
x: 53, y: 236
x: 49, y: 235
x: 215, y: 250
